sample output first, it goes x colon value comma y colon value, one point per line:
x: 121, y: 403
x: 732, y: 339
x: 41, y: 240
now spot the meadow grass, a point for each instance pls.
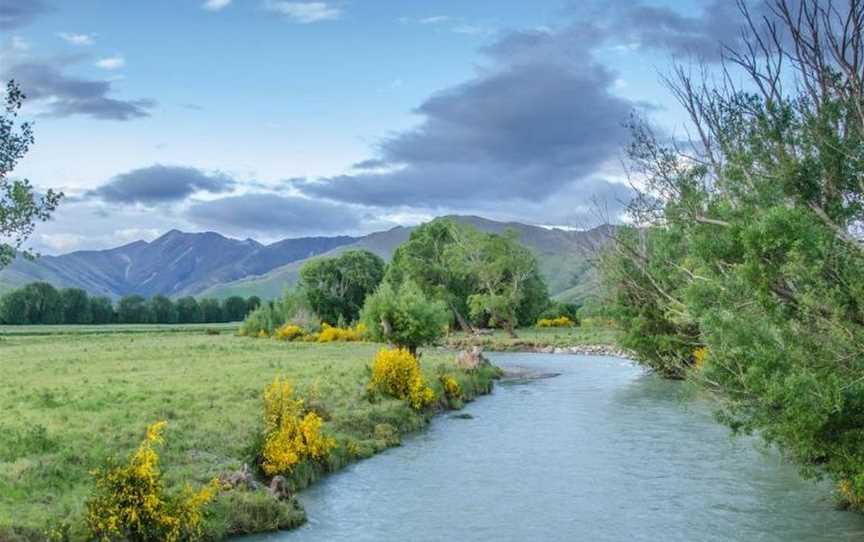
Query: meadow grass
x: 69, y: 402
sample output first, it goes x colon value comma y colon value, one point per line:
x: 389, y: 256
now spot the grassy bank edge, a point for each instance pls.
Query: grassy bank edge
x: 241, y: 511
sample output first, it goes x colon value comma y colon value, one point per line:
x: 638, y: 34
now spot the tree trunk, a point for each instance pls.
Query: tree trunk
x: 508, y: 325
x: 463, y: 323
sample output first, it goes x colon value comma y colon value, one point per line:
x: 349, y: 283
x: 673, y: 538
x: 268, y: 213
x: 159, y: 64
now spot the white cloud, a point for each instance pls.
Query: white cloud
x: 19, y: 44
x: 304, y: 12
x: 437, y: 19
x: 111, y: 62
x: 77, y: 39
x: 216, y: 5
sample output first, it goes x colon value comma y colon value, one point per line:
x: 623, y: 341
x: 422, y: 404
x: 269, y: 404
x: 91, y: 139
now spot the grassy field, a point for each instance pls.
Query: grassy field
x: 593, y: 332
x: 71, y: 400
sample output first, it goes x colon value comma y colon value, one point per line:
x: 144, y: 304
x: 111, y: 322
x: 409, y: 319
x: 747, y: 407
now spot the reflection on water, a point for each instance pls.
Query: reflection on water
x: 604, y: 452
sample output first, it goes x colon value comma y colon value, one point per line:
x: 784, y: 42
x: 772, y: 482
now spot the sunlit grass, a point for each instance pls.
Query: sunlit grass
x: 68, y: 402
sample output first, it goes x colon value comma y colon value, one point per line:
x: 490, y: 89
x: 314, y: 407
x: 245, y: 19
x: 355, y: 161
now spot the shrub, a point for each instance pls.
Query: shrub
x: 130, y: 501
x: 452, y: 389
x: 699, y: 356
x: 405, y: 318
x: 397, y: 373
x: 290, y: 437
x: 339, y: 334
x: 239, y: 512
x: 561, y: 321
x: 288, y: 332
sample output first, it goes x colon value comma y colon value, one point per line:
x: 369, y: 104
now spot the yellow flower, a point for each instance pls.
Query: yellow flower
x: 397, y: 373
x: 288, y: 438
x: 561, y: 321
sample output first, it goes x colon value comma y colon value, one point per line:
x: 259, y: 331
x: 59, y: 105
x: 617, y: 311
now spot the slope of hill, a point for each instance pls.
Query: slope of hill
x: 211, y: 265
x: 564, y: 257
x: 175, y: 264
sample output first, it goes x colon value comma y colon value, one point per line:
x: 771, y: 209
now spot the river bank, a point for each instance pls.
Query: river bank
x: 591, y: 338
x: 605, y: 451
x: 70, y: 403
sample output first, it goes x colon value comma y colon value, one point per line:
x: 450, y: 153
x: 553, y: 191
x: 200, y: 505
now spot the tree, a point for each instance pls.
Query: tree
x: 429, y: 258
x: 189, y: 311
x: 20, y: 206
x: 404, y: 317
x: 13, y: 308
x: 102, y: 310
x: 133, y: 309
x: 76, y: 306
x: 235, y: 308
x: 337, y: 287
x: 505, y: 271
x: 252, y: 303
x: 212, y: 311
x: 42, y: 304
x: 162, y: 310
x: 743, y: 268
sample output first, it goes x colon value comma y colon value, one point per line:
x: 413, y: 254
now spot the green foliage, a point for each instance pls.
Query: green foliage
x: 508, y: 280
x: 430, y: 258
x: 76, y: 306
x: 36, y: 303
x: 745, y: 274
x: 235, y: 308
x: 101, y: 310
x: 133, y: 309
x: 336, y: 287
x: 162, y: 310
x: 20, y: 206
x: 242, y: 512
x: 189, y: 311
x: 212, y: 311
x: 404, y: 317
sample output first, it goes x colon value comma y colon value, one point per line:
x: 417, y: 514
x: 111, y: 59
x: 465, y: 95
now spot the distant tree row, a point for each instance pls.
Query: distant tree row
x: 42, y: 303
x: 446, y: 274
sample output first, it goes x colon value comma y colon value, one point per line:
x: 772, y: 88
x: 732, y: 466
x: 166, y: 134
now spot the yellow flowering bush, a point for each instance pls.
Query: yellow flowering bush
x: 331, y: 334
x: 288, y: 332
x: 397, y: 373
x: 290, y: 437
x: 699, y: 356
x: 451, y: 386
x: 561, y: 321
x: 130, y: 501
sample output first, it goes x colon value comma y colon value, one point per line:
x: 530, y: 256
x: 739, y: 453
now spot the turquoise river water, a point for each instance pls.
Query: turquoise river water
x: 603, y: 452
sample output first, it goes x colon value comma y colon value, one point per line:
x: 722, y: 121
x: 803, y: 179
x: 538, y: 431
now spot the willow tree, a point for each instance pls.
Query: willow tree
x: 744, y: 269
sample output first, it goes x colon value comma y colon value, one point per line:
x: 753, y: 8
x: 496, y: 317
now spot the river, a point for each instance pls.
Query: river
x: 603, y: 452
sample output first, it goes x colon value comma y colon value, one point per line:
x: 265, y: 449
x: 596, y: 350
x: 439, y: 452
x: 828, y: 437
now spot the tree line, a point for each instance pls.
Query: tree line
x: 42, y: 303
x: 447, y: 274
x: 743, y: 272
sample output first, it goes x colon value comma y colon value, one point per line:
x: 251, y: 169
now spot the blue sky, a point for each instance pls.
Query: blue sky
x: 249, y: 117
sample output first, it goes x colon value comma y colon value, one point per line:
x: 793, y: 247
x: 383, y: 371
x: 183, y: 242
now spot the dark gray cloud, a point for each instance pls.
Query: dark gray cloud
x: 700, y: 36
x: 286, y: 215
x: 17, y: 13
x: 161, y: 184
x: 65, y: 95
x: 540, y: 118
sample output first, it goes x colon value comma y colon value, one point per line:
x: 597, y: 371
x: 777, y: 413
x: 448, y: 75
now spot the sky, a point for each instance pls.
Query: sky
x: 272, y: 119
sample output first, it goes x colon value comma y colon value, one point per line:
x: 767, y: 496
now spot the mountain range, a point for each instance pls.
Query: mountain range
x: 211, y: 265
